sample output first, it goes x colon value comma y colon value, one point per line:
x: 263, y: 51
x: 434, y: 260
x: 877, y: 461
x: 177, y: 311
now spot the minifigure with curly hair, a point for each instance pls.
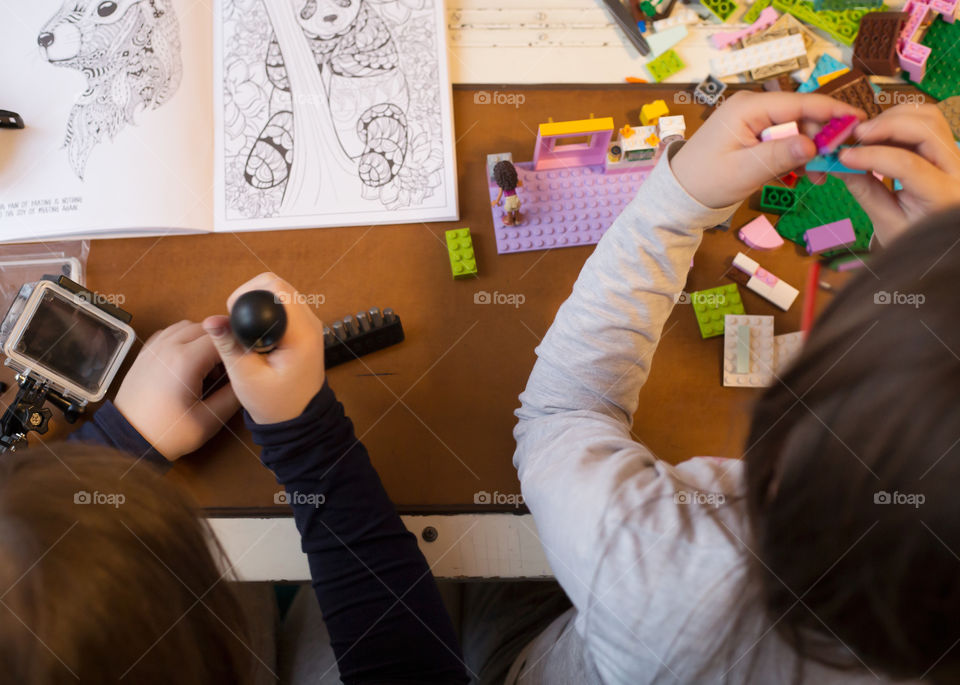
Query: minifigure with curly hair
x: 505, y: 176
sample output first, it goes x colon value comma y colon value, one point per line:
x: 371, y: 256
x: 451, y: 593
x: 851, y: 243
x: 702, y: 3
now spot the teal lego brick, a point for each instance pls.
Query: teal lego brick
x: 826, y: 64
x: 665, y: 66
x: 942, y: 77
x: 817, y: 205
x: 710, y: 306
x: 777, y: 199
x: 721, y: 9
x: 752, y: 14
x: 841, y: 25
x: 463, y: 261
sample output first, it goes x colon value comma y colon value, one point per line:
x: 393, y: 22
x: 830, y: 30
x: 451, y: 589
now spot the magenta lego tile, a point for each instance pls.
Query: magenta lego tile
x: 565, y: 207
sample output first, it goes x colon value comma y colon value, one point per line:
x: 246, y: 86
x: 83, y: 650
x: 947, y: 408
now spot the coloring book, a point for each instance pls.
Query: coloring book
x: 154, y: 116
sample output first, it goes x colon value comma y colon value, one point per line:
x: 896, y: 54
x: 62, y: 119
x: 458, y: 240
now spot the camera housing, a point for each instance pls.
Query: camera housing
x: 66, y: 338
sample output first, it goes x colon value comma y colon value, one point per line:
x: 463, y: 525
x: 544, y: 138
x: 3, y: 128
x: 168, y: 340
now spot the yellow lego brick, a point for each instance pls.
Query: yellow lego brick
x: 569, y: 128
x: 827, y: 78
x: 651, y: 112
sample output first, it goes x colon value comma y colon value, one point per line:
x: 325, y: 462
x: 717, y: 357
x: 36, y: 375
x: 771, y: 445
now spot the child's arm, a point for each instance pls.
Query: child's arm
x: 158, y: 414
x: 579, y: 465
x: 914, y: 144
x: 378, y: 598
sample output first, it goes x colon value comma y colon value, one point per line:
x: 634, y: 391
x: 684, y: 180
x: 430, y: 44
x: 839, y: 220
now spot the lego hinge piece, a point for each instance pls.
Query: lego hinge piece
x: 765, y: 284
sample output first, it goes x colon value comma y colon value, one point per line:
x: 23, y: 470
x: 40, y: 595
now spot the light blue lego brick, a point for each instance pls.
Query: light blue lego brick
x: 661, y: 41
x: 825, y: 65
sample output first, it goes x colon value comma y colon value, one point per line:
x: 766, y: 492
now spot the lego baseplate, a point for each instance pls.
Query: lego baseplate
x: 564, y: 207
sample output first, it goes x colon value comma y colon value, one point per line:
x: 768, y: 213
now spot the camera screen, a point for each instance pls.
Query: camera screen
x: 70, y: 341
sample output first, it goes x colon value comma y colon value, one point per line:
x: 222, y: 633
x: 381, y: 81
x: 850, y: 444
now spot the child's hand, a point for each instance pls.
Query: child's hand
x: 915, y: 145
x: 160, y: 395
x: 724, y: 162
x: 277, y: 386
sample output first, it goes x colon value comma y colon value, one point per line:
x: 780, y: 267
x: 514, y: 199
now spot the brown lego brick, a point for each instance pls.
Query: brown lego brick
x: 875, y: 50
x: 854, y: 89
x: 782, y: 83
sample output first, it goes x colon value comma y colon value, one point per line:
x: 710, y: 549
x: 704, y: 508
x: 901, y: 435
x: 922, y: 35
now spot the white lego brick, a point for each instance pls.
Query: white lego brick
x: 680, y: 17
x: 759, y: 55
x: 765, y: 284
x: 673, y: 125
x: 786, y: 348
x: 761, y: 367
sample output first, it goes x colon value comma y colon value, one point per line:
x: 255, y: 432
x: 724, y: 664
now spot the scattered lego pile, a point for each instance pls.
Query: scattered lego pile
x: 922, y: 41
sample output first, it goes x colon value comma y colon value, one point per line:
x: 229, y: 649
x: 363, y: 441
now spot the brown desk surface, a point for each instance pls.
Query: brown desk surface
x: 436, y: 412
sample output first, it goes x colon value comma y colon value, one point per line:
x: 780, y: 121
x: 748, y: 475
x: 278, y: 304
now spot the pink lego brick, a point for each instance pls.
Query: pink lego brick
x: 832, y: 135
x: 830, y: 236
x: 725, y: 39
x: 565, y: 207
x: 780, y: 131
x: 760, y: 234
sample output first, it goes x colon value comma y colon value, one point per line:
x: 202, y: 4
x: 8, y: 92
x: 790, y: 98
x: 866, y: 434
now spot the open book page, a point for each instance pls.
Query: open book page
x: 332, y: 113
x: 117, y: 100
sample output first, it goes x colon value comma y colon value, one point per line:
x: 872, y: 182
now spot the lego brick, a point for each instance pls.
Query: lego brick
x: 661, y: 41
x: 831, y: 164
x: 875, y: 49
x: 834, y: 133
x: 724, y: 39
x: 843, y: 5
x: 776, y: 199
x: 761, y: 54
x: 765, y: 284
x: 789, y: 179
x: 848, y: 262
x: 784, y: 27
x: 665, y: 66
x: 826, y: 64
x: 840, y: 25
x: 674, y: 125
x: 709, y: 90
x: 760, y: 234
x: 942, y: 78
x: 760, y: 353
x: 786, y: 348
x: 566, y: 207
x: 827, y: 78
x: 579, y: 126
x: 721, y: 9
x: 752, y: 14
x: 951, y: 110
x: 710, y: 306
x: 463, y: 261
x: 819, y: 204
x: 778, y: 131
x: 830, y: 236
x: 651, y: 112
x: 682, y: 17
x: 854, y: 88
x: 353, y: 337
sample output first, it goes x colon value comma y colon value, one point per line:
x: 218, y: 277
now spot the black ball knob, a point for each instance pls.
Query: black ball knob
x: 258, y: 320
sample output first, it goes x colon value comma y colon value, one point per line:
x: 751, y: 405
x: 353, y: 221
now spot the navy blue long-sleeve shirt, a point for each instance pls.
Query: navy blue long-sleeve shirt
x: 386, y: 620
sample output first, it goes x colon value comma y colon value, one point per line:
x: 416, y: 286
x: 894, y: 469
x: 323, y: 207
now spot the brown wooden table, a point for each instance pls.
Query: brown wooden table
x: 436, y: 412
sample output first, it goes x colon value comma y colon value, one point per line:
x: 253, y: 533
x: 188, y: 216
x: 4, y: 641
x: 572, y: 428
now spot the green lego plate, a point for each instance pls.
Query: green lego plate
x: 710, y: 306
x: 818, y: 205
x: 942, y: 77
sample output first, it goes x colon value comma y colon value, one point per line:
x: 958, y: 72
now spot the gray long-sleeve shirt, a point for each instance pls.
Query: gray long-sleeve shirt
x: 654, y: 568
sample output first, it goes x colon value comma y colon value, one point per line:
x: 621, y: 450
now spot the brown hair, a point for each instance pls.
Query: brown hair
x: 853, y: 471
x: 106, y: 573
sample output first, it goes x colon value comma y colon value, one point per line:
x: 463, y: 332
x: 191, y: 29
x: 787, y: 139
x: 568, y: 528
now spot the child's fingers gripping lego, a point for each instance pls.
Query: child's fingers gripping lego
x: 277, y: 386
x: 725, y: 161
x: 161, y: 394
x: 915, y: 146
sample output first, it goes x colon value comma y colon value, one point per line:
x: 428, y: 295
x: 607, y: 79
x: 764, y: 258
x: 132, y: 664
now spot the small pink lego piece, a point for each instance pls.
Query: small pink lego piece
x: 830, y: 236
x: 760, y: 234
x: 780, y: 131
x: 833, y: 134
x: 766, y: 276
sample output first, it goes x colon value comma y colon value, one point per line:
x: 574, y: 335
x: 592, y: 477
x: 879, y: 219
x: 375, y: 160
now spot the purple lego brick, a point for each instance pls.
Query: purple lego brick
x: 565, y: 207
x: 830, y: 236
x: 833, y: 134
